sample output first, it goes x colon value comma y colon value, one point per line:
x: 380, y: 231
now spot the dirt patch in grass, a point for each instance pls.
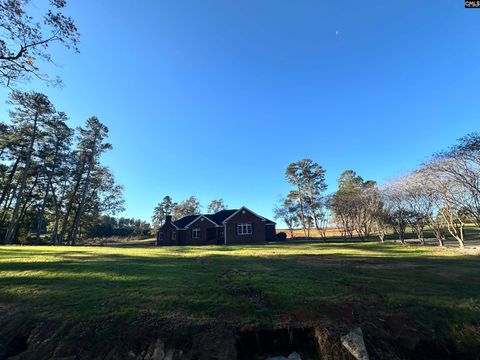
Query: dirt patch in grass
x: 387, y: 336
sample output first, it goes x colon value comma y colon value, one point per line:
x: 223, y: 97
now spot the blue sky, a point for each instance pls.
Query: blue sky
x: 216, y: 98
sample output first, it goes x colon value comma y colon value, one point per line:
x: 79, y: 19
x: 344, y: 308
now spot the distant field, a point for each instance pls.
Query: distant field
x: 98, y: 293
x: 298, y: 233
x: 118, y: 241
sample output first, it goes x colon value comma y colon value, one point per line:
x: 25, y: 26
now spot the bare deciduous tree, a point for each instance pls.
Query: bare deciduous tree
x: 287, y: 210
x: 395, y: 202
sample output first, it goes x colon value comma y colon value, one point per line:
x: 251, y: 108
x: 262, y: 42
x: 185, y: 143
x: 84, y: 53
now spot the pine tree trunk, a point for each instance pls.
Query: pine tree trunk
x: 27, y: 198
x: 63, y: 230
x: 57, y: 206
x: 24, y: 208
x: 76, y: 222
x: 8, y: 203
x: 42, y: 213
x: 70, y: 240
x: 6, y: 189
x: 13, y: 221
x: 302, y: 216
x: 11, y: 230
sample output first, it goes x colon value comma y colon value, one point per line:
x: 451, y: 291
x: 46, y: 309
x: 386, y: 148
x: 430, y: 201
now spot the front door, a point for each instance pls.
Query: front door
x: 221, y: 236
x: 211, y: 234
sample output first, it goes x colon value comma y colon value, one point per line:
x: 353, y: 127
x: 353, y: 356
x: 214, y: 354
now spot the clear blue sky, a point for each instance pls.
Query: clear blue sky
x: 216, y: 98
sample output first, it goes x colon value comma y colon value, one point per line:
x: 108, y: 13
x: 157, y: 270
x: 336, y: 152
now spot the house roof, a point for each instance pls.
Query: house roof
x: 243, y: 208
x: 217, y: 218
x: 184, y: 221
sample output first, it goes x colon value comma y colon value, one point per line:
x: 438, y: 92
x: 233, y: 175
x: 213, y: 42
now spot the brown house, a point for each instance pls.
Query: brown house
x: 240, y: 226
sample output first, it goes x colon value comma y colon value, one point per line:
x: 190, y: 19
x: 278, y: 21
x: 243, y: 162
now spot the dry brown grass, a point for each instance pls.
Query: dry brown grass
x: 298, y: 233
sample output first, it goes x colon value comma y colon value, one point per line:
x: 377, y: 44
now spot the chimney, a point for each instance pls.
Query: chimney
x: 168, y: 219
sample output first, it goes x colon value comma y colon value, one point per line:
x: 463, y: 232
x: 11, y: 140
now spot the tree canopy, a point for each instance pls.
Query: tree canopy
x: 53, y: 185
x: 26, y: 38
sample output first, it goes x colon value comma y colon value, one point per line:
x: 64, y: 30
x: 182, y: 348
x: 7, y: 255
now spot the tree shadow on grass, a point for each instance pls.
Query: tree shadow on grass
x: 345, y: 284
x: 213, y: 283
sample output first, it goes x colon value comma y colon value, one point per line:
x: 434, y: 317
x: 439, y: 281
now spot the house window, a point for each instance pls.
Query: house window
x: 196, y: 233
x: 160, y: 235
x: 244, y: 229
x: 174, y: 235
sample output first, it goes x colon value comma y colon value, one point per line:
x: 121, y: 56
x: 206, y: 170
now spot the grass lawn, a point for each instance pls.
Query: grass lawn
x: 264, y: 285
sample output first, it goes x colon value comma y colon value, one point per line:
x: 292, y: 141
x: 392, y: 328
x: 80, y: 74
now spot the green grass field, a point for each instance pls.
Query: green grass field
x: 264, y: 285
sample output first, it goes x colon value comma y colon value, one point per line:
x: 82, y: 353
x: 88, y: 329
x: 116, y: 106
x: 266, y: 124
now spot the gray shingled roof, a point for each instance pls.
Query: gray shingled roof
x: 220, y: 216
x: 184, y: 221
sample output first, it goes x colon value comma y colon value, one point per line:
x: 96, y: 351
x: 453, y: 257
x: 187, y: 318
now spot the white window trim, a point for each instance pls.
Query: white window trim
x: 244, y: 229
x: 197, y: 230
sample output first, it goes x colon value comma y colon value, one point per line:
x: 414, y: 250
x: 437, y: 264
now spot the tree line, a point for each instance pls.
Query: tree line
x: 53, y: 186
x: 189, y: 206
x: 442, y: 196
x: 110, y: 226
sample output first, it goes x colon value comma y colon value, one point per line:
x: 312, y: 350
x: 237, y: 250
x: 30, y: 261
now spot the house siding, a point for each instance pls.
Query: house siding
x: 259, y: 232
x: 167, y: 229
x: 204, y: 225
x: 270, y: 232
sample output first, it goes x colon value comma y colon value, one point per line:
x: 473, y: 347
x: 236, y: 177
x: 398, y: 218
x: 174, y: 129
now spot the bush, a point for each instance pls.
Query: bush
x: 281, y: 236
